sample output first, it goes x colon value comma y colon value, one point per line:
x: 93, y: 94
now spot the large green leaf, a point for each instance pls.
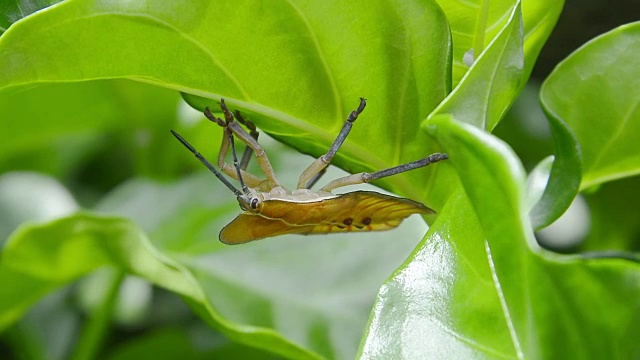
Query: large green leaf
x: 595, y: 91
x: 296, y: 68
x: 480, y: 272
x: 441, y: 302
x: 316, y: 292
x: 79, y: 244
x: 494, y: 80
x: 333, y: 321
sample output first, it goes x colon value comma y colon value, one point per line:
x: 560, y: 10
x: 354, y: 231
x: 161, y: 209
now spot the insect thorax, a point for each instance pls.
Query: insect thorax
x: 298, y: 195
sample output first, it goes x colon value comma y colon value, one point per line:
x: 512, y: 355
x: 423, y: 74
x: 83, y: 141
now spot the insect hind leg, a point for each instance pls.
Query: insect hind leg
x: 313, y: 173
x: 361, y: 178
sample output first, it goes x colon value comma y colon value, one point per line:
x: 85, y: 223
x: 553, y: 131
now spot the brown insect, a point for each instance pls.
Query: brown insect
x: 270, y: 210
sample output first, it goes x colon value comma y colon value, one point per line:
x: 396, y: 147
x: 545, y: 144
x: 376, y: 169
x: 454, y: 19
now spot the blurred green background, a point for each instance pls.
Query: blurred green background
x: 124, y: 132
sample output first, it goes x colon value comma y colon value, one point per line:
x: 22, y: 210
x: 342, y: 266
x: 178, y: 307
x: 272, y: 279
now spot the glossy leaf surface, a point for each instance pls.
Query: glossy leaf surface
x: 297, y: 72
x: 506, y: 37
x: 601, y: 74
x: 518, y: 289
x: 476, y: 24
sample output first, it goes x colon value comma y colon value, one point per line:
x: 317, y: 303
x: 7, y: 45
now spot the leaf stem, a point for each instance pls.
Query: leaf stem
x: 93, y: 334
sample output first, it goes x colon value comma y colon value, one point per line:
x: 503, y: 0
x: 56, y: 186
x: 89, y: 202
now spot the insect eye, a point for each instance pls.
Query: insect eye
x: 254, y: 203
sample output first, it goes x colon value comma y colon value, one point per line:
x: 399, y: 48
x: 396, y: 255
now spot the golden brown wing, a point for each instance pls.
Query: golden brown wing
x: 248, y: 227
x: 368, y: 211
x: 356, y: 211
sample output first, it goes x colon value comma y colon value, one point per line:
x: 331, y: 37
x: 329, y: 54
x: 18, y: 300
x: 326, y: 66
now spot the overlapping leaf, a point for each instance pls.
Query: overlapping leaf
x: 490, y: 87
x: 494, y: 257
x: 596, y: 91
x: 504, y: 38
x: 480, y: 269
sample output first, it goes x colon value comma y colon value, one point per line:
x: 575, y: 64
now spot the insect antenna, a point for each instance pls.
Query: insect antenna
x: 208, y: 164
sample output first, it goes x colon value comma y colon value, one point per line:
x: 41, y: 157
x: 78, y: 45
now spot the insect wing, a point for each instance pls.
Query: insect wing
x: 367, y: 211
x: 248, y: 227
x: 351, y: 212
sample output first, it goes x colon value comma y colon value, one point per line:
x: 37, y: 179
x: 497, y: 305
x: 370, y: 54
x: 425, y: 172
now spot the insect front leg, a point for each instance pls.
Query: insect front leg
x: 250, y: 179
x: 253, y: 131
x: 361, y: 178
x: 242, y: 135
x: 313, y: 173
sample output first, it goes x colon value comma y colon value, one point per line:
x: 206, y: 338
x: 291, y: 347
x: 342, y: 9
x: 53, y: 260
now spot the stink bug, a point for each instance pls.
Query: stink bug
x: 270, y: 210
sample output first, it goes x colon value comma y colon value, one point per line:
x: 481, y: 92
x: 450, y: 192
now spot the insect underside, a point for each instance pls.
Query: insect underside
x: 270, y: 210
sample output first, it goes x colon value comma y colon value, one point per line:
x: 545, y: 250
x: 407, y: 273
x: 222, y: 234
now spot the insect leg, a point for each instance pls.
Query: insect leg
x: 314, y: 171
x: 236, y: 164
x: 248, y: 151
x: 250, y: 179
x: 315, y: 178
x: 367, y: 177
x: 242, y: 135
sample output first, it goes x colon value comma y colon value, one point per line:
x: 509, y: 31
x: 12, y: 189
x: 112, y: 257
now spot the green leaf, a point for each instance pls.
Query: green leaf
x: 525, y: 127
x: 480, y: 286
x: 595, y: 91
x: 325, y: 314
x: 441, y: 303
x: 331, y: 301
x: 13, y: 10
x: 475, y: 26
x: 494, y: 80
x: 61, y: 128
x: 77, y: 245
x: 296, y: 68
x: 540, y: 18
x: 505, y: 53
x: 171, y: 343
x: 564, y: 179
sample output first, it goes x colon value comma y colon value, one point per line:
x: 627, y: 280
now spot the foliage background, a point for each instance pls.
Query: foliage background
x: 103, y: 145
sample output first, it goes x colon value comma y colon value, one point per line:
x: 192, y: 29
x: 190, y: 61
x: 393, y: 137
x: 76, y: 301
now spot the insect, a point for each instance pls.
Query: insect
x: 270, y: 210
